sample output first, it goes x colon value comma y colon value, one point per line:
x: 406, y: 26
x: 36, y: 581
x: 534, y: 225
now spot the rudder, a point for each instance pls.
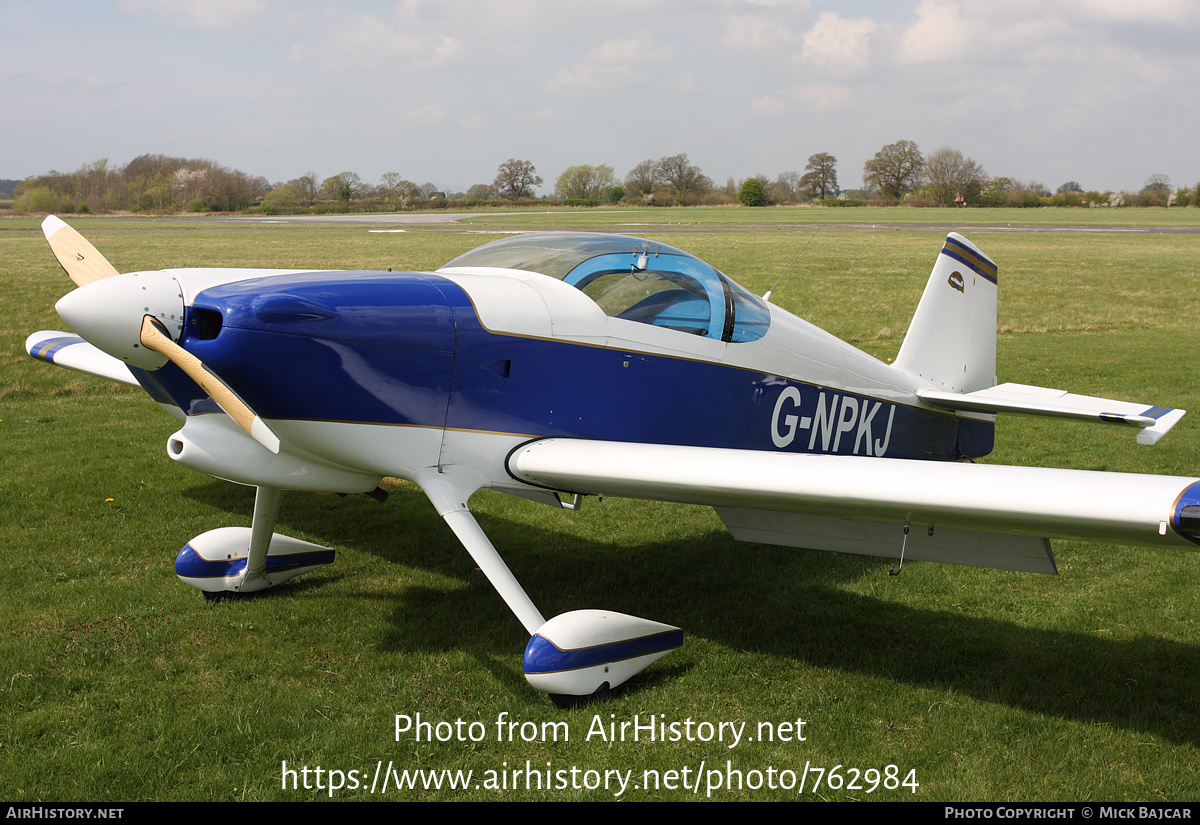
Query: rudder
x: 951, y: 342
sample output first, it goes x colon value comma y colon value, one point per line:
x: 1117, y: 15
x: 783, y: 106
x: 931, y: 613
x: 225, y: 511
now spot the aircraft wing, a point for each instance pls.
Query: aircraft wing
x: 68, y: 350
x: 975, y: 514
x: 1153, y: 422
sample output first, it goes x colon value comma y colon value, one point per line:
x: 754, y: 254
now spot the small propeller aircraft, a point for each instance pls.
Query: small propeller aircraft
x: 559, y: 365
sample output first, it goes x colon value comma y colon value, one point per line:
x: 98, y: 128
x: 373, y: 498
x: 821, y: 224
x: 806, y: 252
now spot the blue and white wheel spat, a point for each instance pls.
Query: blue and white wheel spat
x: 579, y: 652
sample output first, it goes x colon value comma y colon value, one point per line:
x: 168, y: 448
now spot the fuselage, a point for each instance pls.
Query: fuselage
x: 395, y: 371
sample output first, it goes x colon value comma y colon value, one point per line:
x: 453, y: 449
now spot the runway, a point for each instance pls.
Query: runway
x: 451, y: 221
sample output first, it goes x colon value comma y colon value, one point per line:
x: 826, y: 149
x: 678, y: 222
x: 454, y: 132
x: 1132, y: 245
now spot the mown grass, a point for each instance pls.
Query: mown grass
x: 119, y: 683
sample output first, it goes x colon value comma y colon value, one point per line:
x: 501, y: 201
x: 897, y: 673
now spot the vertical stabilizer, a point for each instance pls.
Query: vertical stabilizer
x: 951, y: 341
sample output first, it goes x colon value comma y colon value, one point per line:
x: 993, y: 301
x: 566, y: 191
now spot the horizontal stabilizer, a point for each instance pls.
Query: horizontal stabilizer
x: 65, y: 349
x: 1153, y: 422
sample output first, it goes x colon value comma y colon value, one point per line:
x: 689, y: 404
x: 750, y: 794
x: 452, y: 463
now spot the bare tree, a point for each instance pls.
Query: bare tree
x: 391, y: 181
x: 895, y: 170
x: 641, y: 179
x: 685, y: 181
x: 306, y: 189
x: 515, y: 179
x: 1158, y: 183
x: 94, y: 179
x: 230, y: 189
x: 785, y: 188
x: 954, y: 179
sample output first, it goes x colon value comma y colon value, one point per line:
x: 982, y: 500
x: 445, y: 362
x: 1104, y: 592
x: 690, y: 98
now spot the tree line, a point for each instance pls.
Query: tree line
x: 898, y: 174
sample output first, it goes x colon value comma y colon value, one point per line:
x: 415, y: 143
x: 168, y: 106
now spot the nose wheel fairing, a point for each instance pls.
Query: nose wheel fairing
x: 216, y: 561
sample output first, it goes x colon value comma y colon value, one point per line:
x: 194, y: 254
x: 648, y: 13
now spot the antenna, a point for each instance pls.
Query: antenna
x: 767, y: 294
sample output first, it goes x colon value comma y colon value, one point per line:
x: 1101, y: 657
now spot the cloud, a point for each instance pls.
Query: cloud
x: 839, y: 43
x: 767, y: 106
x: 941, y: 34
x: 433, y: 113
x: 756, y: 33
x: 360, y: 42
x: 627, y: 50
x: 614, y: 64
x: 596, y: 77
x: 1121, y: 11
x: 824, y: 95
x: 201, y: 14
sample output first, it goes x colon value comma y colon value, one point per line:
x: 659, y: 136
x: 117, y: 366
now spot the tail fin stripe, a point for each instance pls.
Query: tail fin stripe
x: 968, y: 257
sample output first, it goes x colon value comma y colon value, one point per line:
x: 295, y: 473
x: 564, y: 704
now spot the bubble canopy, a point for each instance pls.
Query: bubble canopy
x: 635, y: 279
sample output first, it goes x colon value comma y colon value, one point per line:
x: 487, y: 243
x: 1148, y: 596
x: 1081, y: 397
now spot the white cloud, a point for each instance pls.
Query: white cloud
x: 433, y: 113
x: 627, y: 50
x: 839, y: 43
x: 824, y: 95
x: 685, y: 82
x: 941, y: 34
x: 1153, y: 11
x: 596, y: 77
x: 366, y: 41
x: 767, y: 106
x: 201, y: 14
x: 756, y: 33
x: 614, y: 64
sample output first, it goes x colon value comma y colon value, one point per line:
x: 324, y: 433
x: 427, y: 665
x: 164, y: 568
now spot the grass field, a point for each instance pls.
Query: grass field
x: 119, y: 683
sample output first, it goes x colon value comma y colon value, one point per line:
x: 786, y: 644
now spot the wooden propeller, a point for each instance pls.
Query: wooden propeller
x: 154, y: 336
x: 78, y: 257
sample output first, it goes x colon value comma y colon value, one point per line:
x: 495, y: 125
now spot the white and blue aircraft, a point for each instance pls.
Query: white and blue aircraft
x: 559, y: 365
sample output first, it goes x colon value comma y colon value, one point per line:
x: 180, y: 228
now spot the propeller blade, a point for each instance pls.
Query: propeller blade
x: 154, y: 336
x: 78, y: 257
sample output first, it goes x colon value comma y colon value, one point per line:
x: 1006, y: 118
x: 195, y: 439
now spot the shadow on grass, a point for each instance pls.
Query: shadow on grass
x: 768, y: 600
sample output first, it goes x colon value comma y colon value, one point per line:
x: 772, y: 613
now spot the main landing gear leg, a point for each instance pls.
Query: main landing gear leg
x: 574, y: 654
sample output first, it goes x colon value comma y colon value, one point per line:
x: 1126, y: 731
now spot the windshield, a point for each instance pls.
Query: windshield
x: 635, y: 279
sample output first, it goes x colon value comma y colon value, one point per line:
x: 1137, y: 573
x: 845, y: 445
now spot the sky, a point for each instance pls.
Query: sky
x: 1101, y: 92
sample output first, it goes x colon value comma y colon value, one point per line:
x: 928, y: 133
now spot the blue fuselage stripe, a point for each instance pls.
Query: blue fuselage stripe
x: 418, y: 356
